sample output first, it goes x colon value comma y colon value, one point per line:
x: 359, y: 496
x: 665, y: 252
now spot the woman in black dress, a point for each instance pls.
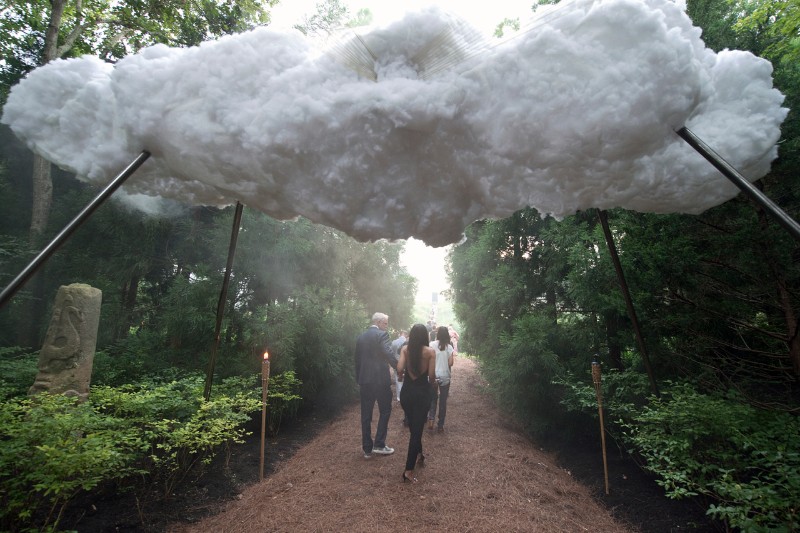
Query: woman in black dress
x: 417, y: 366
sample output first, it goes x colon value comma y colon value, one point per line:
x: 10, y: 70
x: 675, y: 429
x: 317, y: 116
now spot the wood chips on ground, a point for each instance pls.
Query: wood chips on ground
x: 480, y: 475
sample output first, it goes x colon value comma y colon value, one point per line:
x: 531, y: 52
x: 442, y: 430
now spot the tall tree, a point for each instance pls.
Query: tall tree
x: 37, y: 32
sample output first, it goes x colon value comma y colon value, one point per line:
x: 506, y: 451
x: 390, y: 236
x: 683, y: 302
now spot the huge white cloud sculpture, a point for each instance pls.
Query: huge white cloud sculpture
x: 419, y: 128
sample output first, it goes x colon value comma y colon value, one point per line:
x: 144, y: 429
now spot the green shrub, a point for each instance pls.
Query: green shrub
x: 283, y: 399
x: 181, y: 445
x: 52, y: 449
x: 137, y: 357
x: 316, y: 343
x: 747, y: 460
x: 18, y: 369
x: 149, y: 400
x: 182, y: 429
x: 624, y: 394
x: 521, y: 372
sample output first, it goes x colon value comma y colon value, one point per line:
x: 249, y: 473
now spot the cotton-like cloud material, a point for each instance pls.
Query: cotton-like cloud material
x: 577, y: 111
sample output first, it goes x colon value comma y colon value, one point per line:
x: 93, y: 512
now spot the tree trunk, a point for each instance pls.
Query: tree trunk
x: 42, y: 197
x: 42, y: 178
x: 784, y: 297
x: 129, y: 293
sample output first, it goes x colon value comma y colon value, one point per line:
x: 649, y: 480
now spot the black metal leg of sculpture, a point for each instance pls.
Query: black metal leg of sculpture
x: 12, y: 288
x: 626, y: 294
x: 748, y: 188
x: 223, y: 295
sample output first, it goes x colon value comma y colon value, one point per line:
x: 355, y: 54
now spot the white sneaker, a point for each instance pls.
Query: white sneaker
x: 383, y: 451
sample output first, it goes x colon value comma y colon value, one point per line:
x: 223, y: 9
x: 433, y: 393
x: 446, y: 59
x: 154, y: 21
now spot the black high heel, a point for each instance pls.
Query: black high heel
x: 411, y: 479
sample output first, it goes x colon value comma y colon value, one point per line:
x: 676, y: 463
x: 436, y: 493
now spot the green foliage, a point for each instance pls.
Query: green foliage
x: 112, y: 30
x: 283, y: 400
x: 53, y: 448
x: 330, y: 16
x: 114, y: 370
x: 362, y: 18
x: 623, y: 393
x: 183, y: 430
x: 149, y: 400
x: 746, y: 459
x: 522, y: 370
x: 18, y: 369
x: 188, y: 312
x: 779, y: 23
x: 181, y: 444
x: 499, y: 30
x: 317, y: 344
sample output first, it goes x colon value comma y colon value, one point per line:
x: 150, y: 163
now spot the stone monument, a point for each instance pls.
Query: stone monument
x: 67, y: 356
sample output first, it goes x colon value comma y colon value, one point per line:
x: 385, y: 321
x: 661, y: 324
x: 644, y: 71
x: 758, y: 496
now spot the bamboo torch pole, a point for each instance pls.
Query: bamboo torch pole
x: 264, y: 386
x: 599, y: 392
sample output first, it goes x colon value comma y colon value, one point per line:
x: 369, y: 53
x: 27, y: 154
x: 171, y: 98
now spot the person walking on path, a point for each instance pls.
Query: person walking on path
x: 453, y: 337
x: 440, y: 390
x: 485, y: 477
x: 417, y: 365
x: 374, y: 356
x: 398, y: 343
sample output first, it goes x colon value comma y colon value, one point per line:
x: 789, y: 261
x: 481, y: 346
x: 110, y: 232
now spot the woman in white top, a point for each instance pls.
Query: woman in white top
x: 441, y: 389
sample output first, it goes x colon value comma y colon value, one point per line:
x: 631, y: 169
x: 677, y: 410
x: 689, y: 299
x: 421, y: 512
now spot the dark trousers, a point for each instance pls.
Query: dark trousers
x: 439, y: 396
x: 371, y: 393
x: 415, y: 400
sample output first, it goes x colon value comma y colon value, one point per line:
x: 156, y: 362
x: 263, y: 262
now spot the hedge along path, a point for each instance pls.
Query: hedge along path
x: 479, y: 475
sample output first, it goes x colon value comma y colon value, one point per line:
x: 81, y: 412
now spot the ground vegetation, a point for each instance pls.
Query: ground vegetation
x: 707, y: 397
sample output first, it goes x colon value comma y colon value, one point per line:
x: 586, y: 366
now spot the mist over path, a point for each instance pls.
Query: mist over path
x: 480, y: 475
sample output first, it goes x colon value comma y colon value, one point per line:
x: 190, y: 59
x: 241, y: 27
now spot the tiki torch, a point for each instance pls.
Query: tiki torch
x: 599, y: 392
x: 264, y: 386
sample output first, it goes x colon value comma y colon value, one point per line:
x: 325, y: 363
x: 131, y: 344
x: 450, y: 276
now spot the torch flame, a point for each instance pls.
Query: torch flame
x: 266, y: 355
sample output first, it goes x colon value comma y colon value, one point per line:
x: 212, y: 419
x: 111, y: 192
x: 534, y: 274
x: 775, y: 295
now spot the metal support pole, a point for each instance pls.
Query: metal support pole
x: 59, y: 239
x: 237, y: 222
x: 623, y: 285
x: 740, y: 181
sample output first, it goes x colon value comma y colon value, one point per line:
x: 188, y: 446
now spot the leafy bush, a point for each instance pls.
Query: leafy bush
x: 18, y: 369
x: 53, y: 448
x: 624, y: 393
x: 180, y: 445
x: 150, y: 400
x: 316, y: 343
x: 746, y: 459
x: 139, y: 357
x: 282, y: 399
x: 523, y: 369
x: 182, y: 429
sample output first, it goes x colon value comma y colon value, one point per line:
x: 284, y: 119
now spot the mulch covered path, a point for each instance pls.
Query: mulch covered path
x: 480, y: 475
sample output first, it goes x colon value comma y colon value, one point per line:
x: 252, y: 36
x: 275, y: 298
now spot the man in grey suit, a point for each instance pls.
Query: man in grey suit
x: 374, y: 356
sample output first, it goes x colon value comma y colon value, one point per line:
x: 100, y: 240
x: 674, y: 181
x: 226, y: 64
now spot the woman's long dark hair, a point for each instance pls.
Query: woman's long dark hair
x: 417, y: 339
x: 443, y: 336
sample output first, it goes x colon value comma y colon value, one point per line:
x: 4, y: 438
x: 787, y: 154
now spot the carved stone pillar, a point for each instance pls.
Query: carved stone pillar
x: 67, y: 356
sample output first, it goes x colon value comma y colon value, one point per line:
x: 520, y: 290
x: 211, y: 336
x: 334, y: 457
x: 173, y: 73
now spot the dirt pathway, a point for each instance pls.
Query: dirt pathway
x: 480, y: 475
